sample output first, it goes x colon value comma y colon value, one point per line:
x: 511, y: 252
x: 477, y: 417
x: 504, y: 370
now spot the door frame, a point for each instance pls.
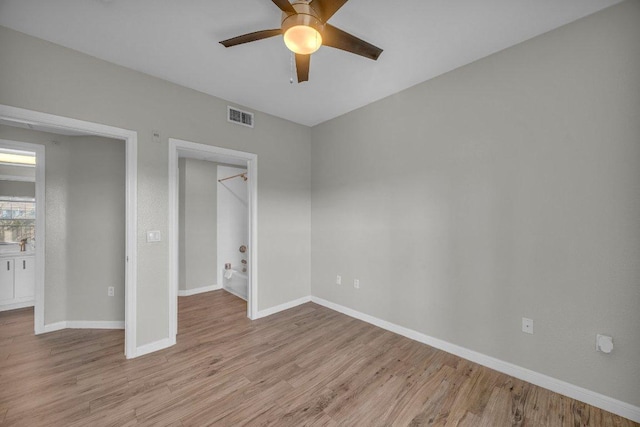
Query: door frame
x: 204, y: 151
x: 24, y: 116
x: 39, y: 182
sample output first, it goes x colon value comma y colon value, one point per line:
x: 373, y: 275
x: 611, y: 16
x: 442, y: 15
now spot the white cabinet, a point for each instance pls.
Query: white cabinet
x: 6, y: 279
x: 24, y: 277
x: 17, y: 281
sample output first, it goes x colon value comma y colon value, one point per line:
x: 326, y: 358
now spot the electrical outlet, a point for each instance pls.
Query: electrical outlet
x: 111, y: 291
x: 604, y: 343
x: 356, y: 283
x: 527, y: 325
x: 338, y: 280
x: 153, y: 236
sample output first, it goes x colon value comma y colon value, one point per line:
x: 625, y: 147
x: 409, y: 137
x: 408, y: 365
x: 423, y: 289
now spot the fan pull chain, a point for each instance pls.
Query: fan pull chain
x: 291, y: 77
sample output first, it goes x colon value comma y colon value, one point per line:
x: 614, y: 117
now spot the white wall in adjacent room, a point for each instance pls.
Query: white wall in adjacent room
x: 233, y: 220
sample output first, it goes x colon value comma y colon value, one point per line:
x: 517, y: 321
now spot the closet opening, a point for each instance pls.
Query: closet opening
x: 213, y: 233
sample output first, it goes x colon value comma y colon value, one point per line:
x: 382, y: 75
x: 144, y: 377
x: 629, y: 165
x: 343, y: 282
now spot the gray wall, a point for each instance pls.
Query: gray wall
x: 507, y: 188
x: 42, y: 76
x: 95, y: 236
x: 84, y: 224
x: 198, y: 210
x: 17, y: 189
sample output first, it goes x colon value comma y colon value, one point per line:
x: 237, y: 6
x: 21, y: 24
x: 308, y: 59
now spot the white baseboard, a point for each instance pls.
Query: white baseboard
x: 575, y: 392
x: 95, y: 324
x: 189, y: 292
x: 17, y: 305
x: 52, y: 327
x: 84, y: 324
x: 285, y: 306
x: 153, y: 346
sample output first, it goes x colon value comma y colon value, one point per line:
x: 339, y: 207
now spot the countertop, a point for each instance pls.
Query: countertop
x: 16, y: 254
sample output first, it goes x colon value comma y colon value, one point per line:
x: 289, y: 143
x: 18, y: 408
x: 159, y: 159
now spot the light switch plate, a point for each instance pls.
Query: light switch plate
x: 527, y: 325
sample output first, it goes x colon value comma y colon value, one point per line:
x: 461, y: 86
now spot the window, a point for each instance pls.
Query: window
x: 17, y: 219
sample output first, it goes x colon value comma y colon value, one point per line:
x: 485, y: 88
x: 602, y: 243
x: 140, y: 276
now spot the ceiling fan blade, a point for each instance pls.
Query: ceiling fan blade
x: 302, y: 67
x: 285, y: 6
x: 251, y: 37
x: 326, y: 8
x: 339, y: 39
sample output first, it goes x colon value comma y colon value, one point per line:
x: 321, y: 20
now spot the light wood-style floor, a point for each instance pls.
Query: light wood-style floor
x: 305, y: 366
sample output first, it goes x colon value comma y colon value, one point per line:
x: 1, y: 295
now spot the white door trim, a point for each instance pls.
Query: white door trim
x: 131, y: 143
x: 176, y: 145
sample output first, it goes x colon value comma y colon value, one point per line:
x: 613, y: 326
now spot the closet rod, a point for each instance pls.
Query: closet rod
x: 243, y: 175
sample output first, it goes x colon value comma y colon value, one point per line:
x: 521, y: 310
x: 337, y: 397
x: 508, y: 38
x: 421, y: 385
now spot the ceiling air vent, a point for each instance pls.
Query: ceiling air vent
x: 240, y: 117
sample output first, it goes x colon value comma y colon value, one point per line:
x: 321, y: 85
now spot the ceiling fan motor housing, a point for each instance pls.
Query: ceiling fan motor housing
x: 305, y: 16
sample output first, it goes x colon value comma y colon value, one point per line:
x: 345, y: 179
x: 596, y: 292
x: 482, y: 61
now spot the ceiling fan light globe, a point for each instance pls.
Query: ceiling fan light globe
x: 302, y: 39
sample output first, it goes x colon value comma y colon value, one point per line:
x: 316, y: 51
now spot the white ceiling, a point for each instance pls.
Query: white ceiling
x: 178, y: 41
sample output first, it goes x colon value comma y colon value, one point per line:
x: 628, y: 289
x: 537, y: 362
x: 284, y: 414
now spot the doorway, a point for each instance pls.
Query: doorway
x: 21, y: 212
x: 230, y: 158
x: 53, y: 123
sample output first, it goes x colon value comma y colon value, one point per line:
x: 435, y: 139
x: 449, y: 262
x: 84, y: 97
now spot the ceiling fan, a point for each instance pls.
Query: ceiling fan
x: 304, y: 28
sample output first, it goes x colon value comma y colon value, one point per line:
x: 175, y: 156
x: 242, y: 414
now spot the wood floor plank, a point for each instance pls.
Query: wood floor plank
x: 307, y: 366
